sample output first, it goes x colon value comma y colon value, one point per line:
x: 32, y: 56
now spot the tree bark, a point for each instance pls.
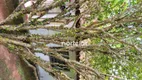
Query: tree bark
x: 11, y: 66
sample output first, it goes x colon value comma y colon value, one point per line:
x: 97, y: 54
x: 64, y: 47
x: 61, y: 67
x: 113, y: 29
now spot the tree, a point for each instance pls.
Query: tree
x: 113, y: 26
x: 12, y: 67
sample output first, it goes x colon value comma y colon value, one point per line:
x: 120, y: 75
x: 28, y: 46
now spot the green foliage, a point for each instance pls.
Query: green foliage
x: 113, y: 7
x: 11, y: 47
x: 123, y: 60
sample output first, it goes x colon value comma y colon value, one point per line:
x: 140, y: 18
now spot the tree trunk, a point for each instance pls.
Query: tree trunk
x: 11, y: 66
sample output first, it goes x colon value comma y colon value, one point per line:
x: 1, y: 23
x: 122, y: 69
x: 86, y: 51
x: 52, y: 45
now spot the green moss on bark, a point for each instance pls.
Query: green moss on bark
x: 25, y: 71
x: 4, y: 71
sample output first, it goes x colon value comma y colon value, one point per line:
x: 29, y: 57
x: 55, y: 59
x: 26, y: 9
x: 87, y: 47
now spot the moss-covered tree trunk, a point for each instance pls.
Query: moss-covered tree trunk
x: 11, y: 66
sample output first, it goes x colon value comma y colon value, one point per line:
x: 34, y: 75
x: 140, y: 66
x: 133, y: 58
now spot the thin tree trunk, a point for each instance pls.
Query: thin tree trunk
x: 78, y: 25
